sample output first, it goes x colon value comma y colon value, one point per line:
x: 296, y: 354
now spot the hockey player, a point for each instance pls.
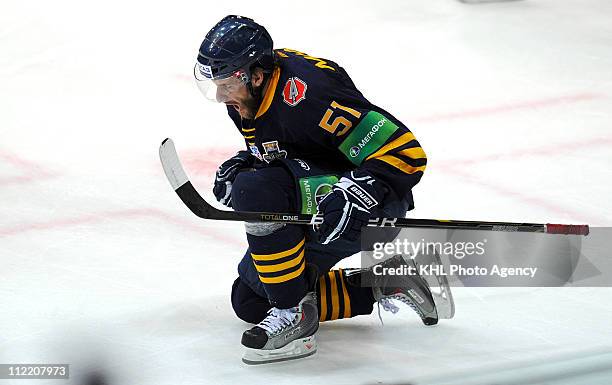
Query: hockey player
x: 314, y: 144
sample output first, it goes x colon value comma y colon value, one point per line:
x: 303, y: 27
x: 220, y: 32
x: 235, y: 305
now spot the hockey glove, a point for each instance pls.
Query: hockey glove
x: 224, y: 178
x: 347, y: 207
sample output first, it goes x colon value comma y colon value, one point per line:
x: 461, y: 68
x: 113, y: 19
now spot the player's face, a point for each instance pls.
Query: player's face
x: 231, y: 90
x: 234, y: 92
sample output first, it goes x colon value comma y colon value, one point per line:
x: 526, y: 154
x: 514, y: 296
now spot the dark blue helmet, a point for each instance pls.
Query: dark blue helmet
x: 235, y: 43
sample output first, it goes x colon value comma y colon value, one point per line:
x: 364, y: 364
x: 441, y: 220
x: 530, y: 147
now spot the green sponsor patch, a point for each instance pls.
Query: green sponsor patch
x: 367, y: 137
x: 313, y: 189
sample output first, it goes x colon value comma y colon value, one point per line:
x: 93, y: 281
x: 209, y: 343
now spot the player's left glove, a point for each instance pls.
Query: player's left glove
x: 347, y: 207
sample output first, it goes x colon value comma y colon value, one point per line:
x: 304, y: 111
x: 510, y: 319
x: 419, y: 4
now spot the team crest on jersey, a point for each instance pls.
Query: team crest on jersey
x: 294, y: 91
x: 272, y: 151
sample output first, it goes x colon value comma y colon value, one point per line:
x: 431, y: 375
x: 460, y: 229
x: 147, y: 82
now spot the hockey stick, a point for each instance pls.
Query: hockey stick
x: 198, y: 205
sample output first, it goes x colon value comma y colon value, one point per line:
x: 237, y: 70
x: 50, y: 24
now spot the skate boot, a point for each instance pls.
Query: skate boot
x: 285, y: 334
x: 429, y: 296
x: 412, y: 290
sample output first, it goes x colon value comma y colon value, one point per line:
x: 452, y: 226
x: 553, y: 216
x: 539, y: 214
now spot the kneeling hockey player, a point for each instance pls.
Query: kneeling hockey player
x: 315, y: 144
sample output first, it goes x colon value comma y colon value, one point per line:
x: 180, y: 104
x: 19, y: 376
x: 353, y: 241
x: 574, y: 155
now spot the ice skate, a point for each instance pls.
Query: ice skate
x: 429, y: 296
x: 285, y: 334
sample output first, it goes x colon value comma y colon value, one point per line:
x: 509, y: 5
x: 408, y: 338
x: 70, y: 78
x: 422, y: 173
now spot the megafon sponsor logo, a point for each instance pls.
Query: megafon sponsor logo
x: 307, y: 195
x: 355, y: 150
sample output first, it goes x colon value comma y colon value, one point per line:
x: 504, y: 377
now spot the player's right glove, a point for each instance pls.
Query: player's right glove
x: 224, y: 178
x: 347, y: 207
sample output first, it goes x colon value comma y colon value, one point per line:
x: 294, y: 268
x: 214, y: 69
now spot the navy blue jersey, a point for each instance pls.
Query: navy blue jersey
x: 311, y: 110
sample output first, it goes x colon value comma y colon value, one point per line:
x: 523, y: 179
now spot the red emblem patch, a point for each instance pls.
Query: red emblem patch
x: 294, y: 91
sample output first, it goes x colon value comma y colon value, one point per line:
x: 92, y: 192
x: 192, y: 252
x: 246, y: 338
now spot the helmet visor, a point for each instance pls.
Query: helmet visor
x: 218, y: 89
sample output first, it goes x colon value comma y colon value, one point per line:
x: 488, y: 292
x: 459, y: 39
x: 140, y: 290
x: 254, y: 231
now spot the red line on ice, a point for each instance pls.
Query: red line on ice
x: 117, y: 215
x: 525, y: 105
x: 30, y: 171
x: 454, y: 167
x: 17, y: 179
x: 558, y: 209
x: 553, y: 149
x: 195, y: 161
x: 18, y: 162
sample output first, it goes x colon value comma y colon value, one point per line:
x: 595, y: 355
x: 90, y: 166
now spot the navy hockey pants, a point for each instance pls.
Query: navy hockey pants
x: 271, y: 271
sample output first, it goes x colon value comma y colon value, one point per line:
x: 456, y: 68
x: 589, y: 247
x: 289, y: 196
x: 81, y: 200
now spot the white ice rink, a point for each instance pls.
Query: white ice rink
x: 102, y: 266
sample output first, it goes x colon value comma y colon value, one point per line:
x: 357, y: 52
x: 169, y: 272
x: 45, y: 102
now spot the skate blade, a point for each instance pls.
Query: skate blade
x: 443, y: 297
x: 300, y: 348
x: 440, y: 289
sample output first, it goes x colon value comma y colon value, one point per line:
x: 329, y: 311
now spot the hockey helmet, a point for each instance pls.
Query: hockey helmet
x: 229, y: 51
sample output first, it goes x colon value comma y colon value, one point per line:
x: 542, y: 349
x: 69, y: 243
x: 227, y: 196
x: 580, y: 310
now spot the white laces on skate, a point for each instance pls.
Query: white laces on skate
x: 388, y: 305
x: 279, y: 319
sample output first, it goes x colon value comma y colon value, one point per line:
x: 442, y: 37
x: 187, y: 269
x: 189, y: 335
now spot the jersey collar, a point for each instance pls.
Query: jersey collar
x: 267, y: 98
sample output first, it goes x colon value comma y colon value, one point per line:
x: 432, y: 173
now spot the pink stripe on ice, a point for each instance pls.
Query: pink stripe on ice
x: 118, y: 215
x: 29, y: 171
x: 504, y: 108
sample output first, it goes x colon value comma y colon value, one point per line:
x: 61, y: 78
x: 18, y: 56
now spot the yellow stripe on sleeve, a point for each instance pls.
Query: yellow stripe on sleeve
x: 283, y: 278
x: 281, y: 266
x: 282, y: 254
x: 401, y: 165
x: 414, y: 153
x: 405, y: 138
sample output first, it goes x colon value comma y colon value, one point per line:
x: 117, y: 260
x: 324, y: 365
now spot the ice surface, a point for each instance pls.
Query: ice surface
x: 103, y: 267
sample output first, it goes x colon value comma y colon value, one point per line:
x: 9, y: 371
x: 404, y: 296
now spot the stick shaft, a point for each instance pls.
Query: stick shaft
x: 198, y: 205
